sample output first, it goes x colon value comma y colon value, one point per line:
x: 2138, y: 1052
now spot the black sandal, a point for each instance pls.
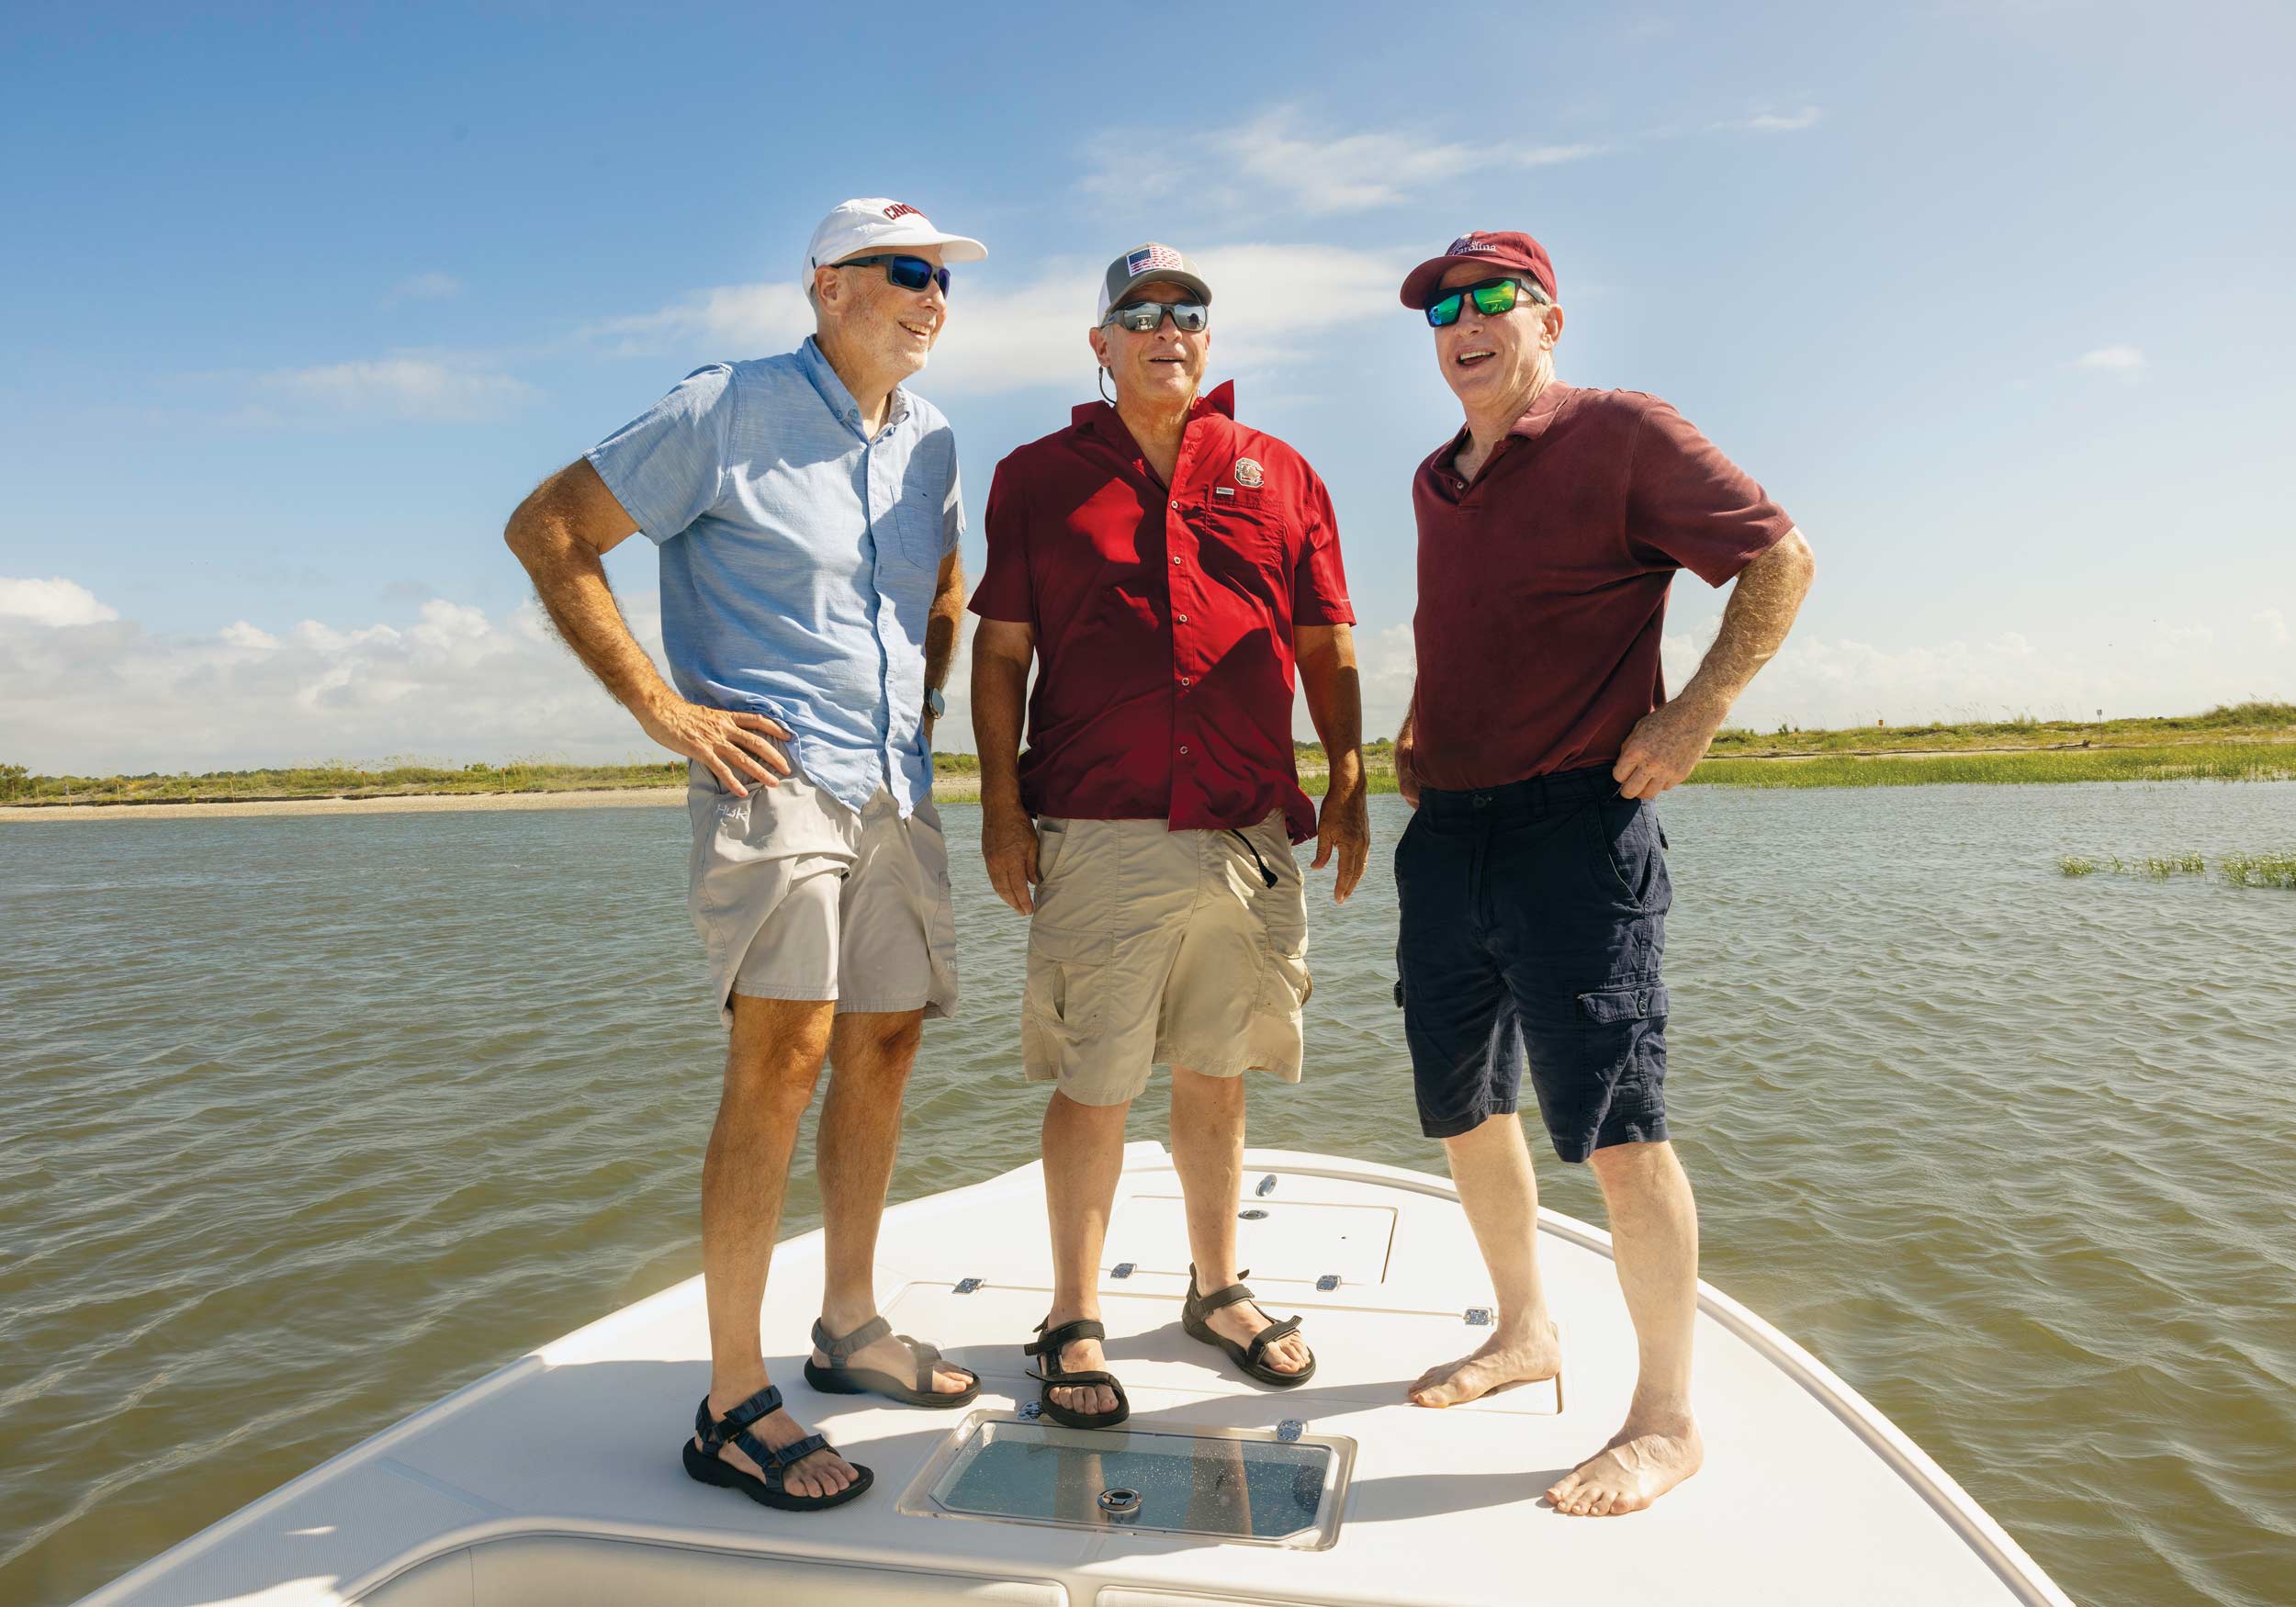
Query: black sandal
x: 837, y: 1378
x: 1048, y: 1348
x: 1197, y: 1307
x: 704, y: 1463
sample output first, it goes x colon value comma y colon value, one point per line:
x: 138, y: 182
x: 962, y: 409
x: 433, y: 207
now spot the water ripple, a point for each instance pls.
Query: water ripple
x: 312, y: 1120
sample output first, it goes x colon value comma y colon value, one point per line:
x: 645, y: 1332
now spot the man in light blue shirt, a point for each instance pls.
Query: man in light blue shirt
x: 807, y: 511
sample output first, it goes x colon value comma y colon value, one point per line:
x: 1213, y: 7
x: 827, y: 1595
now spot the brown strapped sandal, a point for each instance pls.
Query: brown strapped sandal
x: 839, y: 1378
x: 1247, y: 1356
x: 1048, y: 1349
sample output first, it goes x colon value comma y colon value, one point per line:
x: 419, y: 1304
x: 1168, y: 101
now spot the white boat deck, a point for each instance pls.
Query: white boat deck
x: 558, y: 1478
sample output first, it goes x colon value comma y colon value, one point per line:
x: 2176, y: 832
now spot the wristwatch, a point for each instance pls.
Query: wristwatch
x: 935, y: 704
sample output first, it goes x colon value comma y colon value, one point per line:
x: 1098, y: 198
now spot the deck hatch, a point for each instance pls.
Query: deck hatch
x: 1247, y: 1485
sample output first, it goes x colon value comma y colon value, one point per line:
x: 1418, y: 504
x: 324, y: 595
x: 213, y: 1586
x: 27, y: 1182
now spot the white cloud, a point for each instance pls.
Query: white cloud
x: 240, y: 633
x: 423, y: 287
x: 53, y: 603
x: 1275, y: 159
x: 407, y: 385
x: 455, y: 684
x: 2126, y: 362
x: 1001, y: 339
x: 2274, y: 623
x: 1819, y: 682
x: 1782, y: 122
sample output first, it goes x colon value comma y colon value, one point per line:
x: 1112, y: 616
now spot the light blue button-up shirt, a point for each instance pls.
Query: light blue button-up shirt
x: 799, y: 558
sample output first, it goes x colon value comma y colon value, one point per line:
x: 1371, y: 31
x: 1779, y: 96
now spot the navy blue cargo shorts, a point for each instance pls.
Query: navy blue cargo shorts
x: 1533, y: 920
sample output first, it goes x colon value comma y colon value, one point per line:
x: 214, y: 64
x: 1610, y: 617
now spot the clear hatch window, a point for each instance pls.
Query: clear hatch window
x: 1230, y: 1484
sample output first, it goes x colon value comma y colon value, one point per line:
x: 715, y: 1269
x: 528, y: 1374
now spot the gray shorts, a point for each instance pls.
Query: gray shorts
x: 798, y: 896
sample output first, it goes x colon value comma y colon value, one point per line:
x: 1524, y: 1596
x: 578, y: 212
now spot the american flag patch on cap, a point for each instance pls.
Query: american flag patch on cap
x: 1151, y: 256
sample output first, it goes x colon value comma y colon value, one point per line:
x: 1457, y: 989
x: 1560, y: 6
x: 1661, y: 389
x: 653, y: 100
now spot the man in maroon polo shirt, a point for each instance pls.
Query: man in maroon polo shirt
x: 1166, y: 568
x: 1531, y: 880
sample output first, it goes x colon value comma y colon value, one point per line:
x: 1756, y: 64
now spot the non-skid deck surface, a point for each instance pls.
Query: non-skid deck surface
x: 559, y: 1478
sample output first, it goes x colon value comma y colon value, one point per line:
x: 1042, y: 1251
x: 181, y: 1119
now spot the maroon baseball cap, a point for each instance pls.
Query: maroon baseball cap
x: 1500, y: 250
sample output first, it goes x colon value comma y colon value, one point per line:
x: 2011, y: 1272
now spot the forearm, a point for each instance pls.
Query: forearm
x: 570, y: 579
x: 1334, y: 693
x: 1000, y: 690
x: 1763, y: 601
x: 941, y: 625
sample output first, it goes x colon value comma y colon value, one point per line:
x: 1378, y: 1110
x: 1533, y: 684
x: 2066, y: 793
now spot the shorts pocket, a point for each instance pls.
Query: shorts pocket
x: 1066, y: 971
x: 1635, y: 1002
x: 1051, y: 836
x: 1624, y: 854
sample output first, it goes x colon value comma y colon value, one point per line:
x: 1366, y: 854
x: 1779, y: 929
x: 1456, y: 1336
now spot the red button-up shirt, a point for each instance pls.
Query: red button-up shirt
x: 1164, y: 616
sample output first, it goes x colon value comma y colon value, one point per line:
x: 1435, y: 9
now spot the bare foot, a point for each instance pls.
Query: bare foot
x: 1082, y: 1355
x: 1504, y: 1359
x: 1244, y: 1320
x: 890, y: 1355
x: 823, y: 1473
x: 1642, y: 1462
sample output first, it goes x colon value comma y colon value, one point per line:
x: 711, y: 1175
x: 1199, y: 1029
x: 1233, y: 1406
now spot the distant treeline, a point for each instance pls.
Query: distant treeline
x: 2245, y: 741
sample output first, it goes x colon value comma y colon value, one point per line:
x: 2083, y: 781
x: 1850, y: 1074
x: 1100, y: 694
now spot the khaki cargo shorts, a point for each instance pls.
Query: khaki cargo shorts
x: 1152, y: 946
x: 798, y: 896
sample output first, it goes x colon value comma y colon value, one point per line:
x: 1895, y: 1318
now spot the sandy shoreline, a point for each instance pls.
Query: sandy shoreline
x: 948, y: 790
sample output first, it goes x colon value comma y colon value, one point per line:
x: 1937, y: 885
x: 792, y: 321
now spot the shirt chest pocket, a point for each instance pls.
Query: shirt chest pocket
x: 915, y: 526
x: 1239, y: 523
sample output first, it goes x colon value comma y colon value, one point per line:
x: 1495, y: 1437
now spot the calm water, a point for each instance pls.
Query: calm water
x: 309, y: 1121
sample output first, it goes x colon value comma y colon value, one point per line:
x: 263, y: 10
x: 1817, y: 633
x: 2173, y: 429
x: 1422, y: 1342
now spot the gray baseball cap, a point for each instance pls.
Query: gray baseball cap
x: 1148, y: 264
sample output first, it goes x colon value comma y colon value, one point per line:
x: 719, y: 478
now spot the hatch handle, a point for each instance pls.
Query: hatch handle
x: 1267, y: 1184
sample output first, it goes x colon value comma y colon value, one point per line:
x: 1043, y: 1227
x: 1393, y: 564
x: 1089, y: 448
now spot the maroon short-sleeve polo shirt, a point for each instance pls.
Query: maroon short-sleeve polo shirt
x: 1543, y: 584
x: 1164, y: 616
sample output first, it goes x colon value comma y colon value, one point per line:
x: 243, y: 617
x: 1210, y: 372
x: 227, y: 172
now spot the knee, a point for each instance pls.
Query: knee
x: 1634, y: 1165
x: 897, y: 1046
x: 1195, y: 1090
x: 781, y: 1077
x: 884, y: 1049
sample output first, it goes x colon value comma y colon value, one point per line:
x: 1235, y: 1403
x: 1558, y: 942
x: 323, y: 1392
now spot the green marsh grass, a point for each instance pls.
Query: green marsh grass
x: 2255, y: 741
x: 2267, y: 869
x: 2259, y: 870
x: 2207, y: 761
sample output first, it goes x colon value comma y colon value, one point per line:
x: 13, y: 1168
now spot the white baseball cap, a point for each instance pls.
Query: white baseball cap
x: 875, y: 223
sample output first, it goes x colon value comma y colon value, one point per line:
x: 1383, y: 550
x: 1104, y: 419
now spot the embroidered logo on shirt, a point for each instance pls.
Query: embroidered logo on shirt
x: 1247, y: 472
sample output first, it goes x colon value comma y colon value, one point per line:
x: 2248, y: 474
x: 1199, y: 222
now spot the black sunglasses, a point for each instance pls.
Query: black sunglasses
x: 1147, y: 316
x: 905, y: 272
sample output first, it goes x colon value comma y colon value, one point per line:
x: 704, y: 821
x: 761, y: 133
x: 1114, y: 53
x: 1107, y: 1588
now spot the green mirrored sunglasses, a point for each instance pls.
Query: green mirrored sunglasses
x: 1492, y: 296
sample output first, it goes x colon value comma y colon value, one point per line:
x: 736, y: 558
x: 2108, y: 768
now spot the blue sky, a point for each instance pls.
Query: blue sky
x: 1992, y: 298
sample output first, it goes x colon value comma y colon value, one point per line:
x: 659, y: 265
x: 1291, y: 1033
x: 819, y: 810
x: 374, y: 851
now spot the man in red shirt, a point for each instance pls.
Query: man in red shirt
x: 1531, y: 880
x: 1166, y: 568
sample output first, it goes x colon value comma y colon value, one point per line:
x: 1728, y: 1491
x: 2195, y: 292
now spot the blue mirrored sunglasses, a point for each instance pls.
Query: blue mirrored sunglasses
x: 907, y: 273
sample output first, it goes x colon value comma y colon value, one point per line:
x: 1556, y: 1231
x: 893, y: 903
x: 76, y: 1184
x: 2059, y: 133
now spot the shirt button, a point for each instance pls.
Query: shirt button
x: 1182, y: 618
x: 1184, y: 680
x: 1175, y: 563
x: 1183, y: 748
x: 1176, y: 504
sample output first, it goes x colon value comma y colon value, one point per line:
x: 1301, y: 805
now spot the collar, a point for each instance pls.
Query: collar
x: 834, y: 393
x: 1102, y: 415
x: 1536, y: 420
